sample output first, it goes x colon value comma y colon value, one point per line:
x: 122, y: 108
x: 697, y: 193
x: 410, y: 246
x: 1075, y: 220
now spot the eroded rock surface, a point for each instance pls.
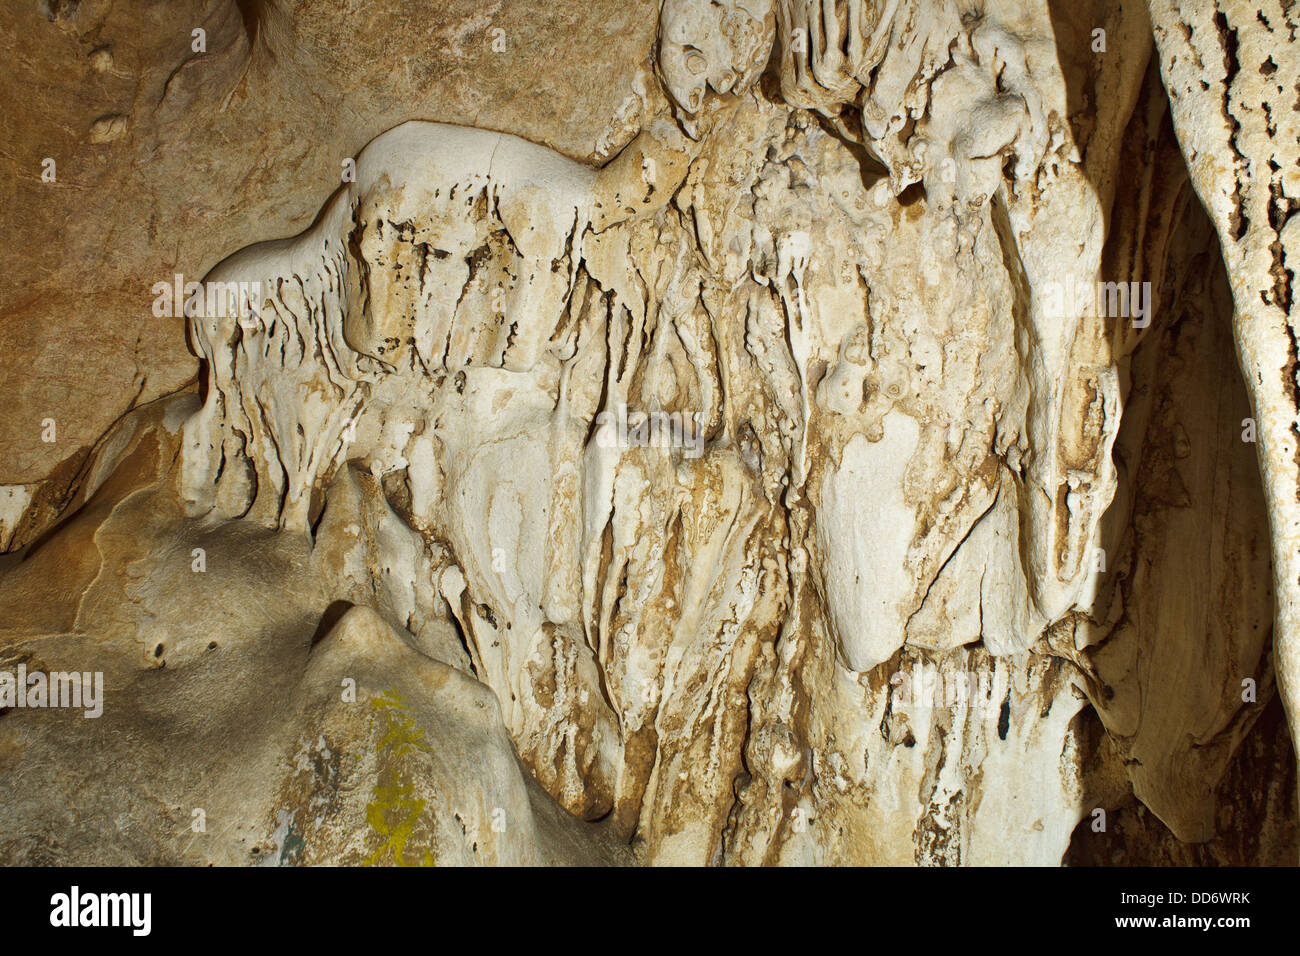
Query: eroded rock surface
x: 855, y: 468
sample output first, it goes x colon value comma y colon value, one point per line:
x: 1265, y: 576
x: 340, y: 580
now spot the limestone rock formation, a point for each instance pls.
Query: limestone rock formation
x: 868, y: 437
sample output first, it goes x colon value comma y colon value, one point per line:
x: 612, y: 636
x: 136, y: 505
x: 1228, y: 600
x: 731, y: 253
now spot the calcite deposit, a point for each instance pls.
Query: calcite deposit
x: 838, y: 432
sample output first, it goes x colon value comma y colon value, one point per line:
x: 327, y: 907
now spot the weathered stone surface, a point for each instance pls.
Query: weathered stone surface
x: 238, y: 723
x: 833, y: 451
x: 167, y: 160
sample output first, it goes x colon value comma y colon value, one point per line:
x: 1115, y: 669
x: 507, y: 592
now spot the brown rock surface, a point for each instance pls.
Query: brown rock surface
x: 167, y: 160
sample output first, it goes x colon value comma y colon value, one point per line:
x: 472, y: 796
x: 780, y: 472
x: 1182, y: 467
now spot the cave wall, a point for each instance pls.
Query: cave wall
x: 832, y: 449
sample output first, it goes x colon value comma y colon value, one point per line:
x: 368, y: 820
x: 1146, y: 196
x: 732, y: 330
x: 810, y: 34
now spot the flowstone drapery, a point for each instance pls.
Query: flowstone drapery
x: 854, y: 469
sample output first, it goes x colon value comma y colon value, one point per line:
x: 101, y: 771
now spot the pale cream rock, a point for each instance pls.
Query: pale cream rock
x: 958, y: 559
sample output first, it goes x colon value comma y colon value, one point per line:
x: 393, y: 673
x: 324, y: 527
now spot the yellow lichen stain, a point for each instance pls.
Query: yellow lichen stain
x: 395, y: 811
